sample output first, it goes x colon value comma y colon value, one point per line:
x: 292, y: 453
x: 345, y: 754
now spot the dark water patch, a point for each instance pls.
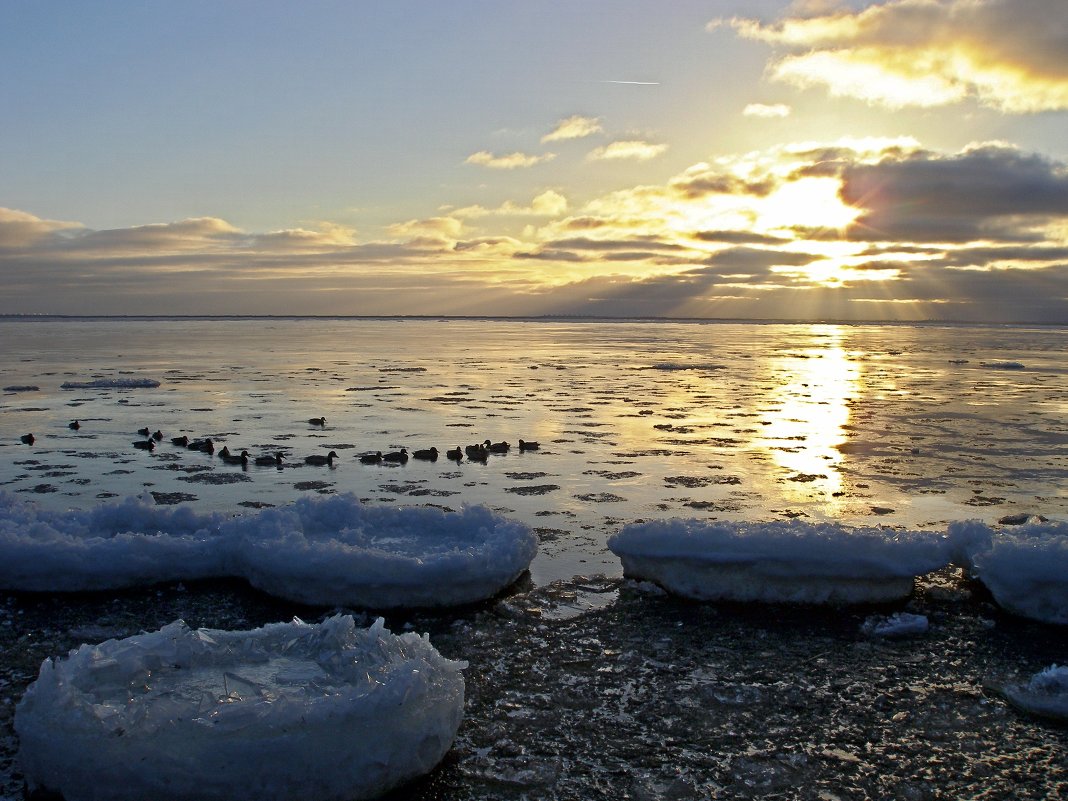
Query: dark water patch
x: 172, y: 498
x: 600, y: 497
x: 189, y: 469
x: 215, y: 478
x: 256, y: 504
x: 40, y: 489
x: 613, y: 476
x: 317, y: 486
x: 371, y: 389
x: 526, y: 476
x: 546, y: 534
x: 106, y: 495
x: 714, y: 506
x: 691, y: 482
x: 806, y: 478
x: 534, y: 489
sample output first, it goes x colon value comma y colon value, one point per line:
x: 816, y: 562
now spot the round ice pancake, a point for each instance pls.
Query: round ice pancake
x: 337, y: 551
x: 286, y: 711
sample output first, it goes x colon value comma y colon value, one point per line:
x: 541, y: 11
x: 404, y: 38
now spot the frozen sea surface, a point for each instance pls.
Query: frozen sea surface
x: 910, y: 426
x: 590, y: 687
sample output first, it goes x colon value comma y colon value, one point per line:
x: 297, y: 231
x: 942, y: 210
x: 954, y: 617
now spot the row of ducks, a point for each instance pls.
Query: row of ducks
x: 478, y: 452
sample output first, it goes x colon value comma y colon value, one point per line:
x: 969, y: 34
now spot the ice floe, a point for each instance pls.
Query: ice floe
x: 112, y: 383
x: 286, y: 711
x: 339, y: 551
x: 331, y: 551
x: 1045, y: 695
x: 1025, y: 567
x: 792, y: 561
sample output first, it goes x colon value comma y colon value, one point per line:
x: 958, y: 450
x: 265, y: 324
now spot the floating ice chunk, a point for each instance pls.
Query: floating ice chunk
x: 1003, y: 365
x: 113, y: 545
x: 1025, y: 568
x: 22, y: 388
x: 331, y: 551
x: 337, y: 551
x: 112, y: 383
x: 1046, y: 694
x: 287, y: 711
x: 900, y: 624
x: 789, y: 561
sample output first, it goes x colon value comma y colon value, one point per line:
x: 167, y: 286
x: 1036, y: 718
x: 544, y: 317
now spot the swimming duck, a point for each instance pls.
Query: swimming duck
x: 371, y: 458
x: 74, y: 426
x: 145, y: 444
x: 269, y: 460
x: 497, y: 447
x: 158, y: 435
x: 476, y: 453
x: 231, y: 458
x: 318, y: 459
x: 27, y: 439
x: 317, y: 421
x: 204, y: 445
x: 144, y: 432
x: 528, y: 446
x: 456, y: 454
x: 397, y: 457
x: 182, y: 440
x: 427, y: 454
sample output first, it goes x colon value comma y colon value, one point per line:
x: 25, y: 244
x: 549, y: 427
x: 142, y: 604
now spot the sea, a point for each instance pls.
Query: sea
x: 583, y: 685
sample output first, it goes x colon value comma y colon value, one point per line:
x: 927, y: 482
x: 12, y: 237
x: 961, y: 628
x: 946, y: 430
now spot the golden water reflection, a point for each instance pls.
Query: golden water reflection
x: 815, y: 386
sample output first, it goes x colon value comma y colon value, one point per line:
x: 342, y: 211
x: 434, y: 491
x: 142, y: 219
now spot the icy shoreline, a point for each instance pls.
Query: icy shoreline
x: 592, y: 689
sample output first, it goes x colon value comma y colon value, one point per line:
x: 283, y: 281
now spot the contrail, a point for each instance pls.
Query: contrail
x: 636, y: 83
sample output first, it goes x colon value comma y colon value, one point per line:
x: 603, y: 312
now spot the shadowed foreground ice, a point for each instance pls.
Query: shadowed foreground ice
x: 287, y: 711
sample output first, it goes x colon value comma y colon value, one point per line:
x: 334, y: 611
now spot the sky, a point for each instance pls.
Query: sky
x: 815, y: 160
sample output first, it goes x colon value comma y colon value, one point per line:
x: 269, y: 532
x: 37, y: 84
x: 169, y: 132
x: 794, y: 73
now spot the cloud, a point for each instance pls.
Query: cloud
x: 778, y: 110
x: 510, y: 161
x: 19, y: 228
x: 627, y: 149
x: 549, y: 203
x: 434, y: 228
x: 574, y: 127
x: 1010, y: 55
x: 984, y: 192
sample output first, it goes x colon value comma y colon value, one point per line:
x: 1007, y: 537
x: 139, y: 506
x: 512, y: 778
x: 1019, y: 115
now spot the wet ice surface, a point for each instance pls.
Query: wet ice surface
x: 592, y: 688
x: 861, y: 425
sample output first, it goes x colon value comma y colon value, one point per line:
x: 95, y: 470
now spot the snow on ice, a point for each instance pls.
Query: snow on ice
x: 286, y: 711
x: 1045, y: 695
x: 331, y: 551
x: 1025, y: 567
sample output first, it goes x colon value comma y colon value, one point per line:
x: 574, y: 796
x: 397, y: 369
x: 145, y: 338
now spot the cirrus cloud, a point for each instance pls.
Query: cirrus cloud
x: 574, y: 127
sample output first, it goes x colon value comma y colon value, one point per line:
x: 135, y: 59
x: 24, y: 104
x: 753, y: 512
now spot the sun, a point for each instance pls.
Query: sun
x: 803, y: 205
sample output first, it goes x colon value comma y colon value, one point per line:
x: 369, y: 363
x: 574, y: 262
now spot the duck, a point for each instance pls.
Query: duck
x: 528, y: 446
x: 27, y: 439
x: 319, y: 459
x: 231, y: 458
x: 144, y: 432
x: 397, y: 457
x: 456, y: 454
x: 204, y: 445
x: 269, y: 460
x: 182, y: 440
x: 157, y: 435
x: 74, y: 425
x: 497, y: 447
x: 371, y: 458
x: 317, y: 421
x: 427, y: 454
x: 476, y: 453
x: 145, y: 444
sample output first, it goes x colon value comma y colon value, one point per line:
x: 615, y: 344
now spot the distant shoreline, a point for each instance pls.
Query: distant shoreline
x: 546, y: 318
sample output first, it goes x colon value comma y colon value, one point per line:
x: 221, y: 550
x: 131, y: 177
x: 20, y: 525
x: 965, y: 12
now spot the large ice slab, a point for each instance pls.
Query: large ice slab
x: 113, y: 545
x: 287, y: 711
x: 332, y: 551
x: 790, y: 561
x: 1025, y: 567
x: 338, y: 551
